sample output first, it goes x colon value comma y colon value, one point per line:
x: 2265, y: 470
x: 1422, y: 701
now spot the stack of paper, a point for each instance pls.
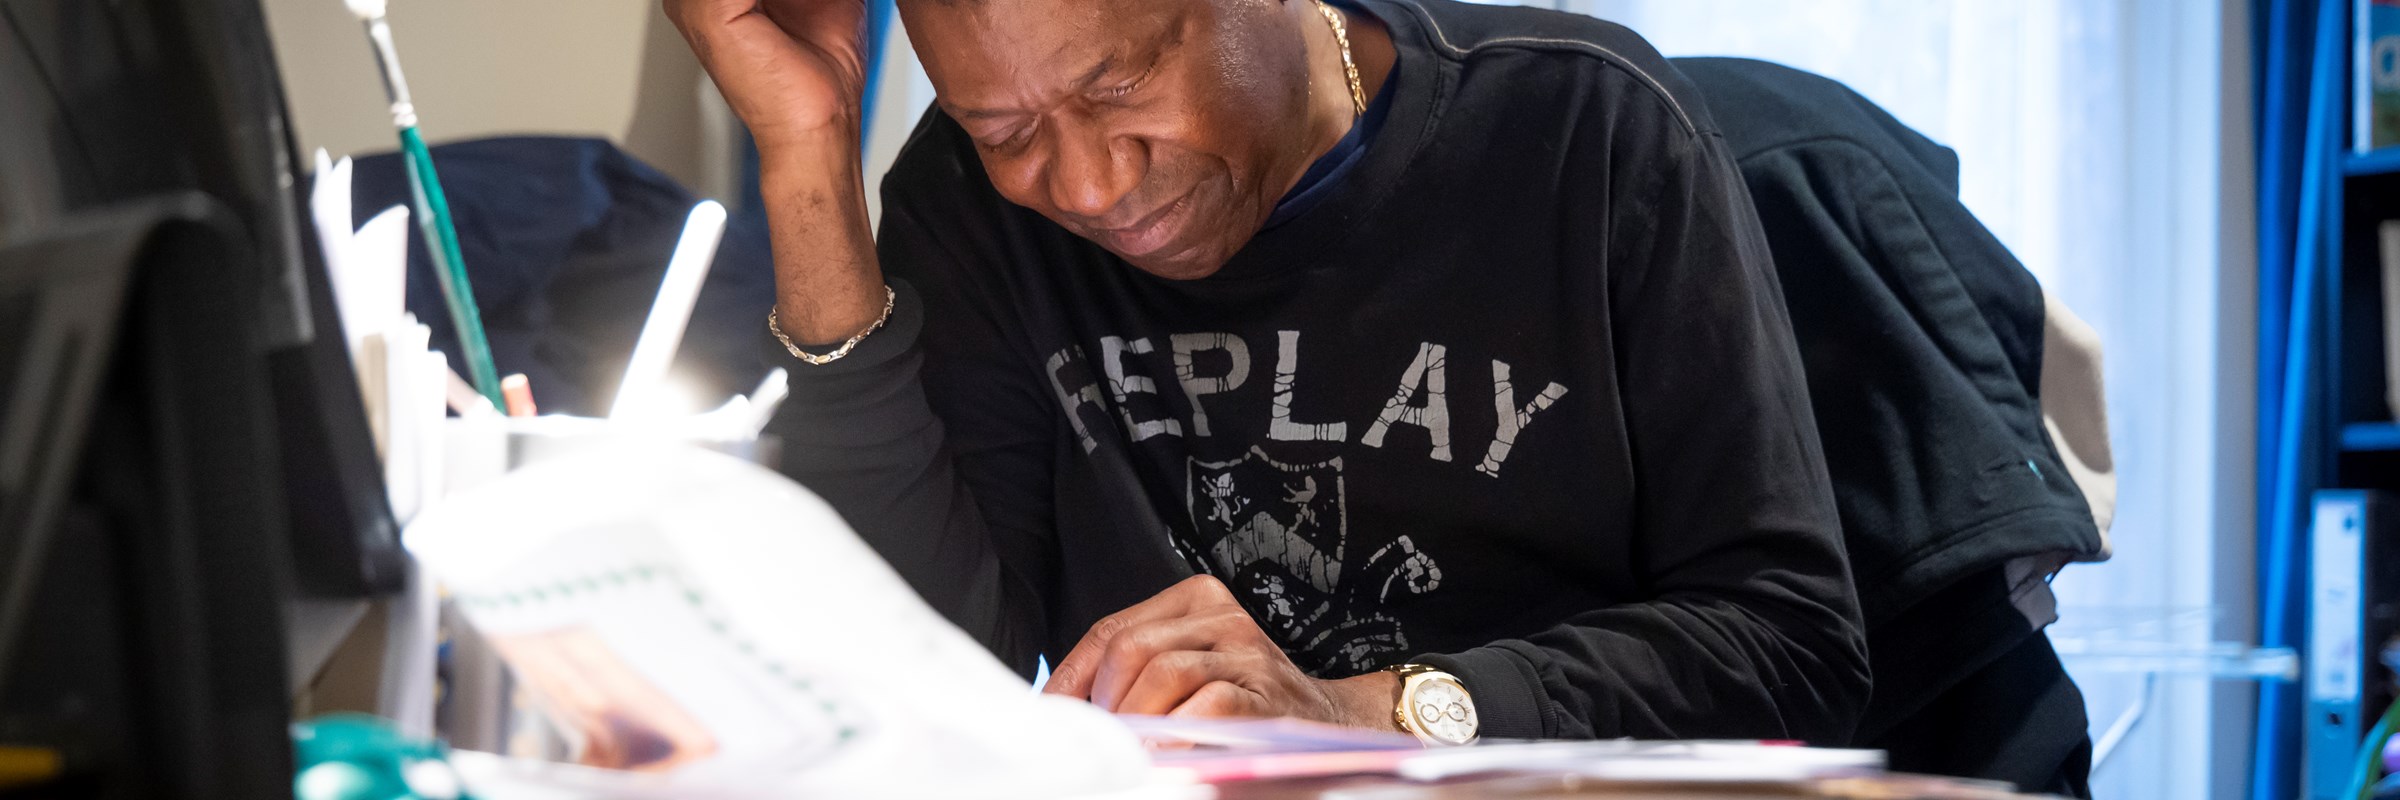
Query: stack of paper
x: 403, y: 382
x: 703, y: 627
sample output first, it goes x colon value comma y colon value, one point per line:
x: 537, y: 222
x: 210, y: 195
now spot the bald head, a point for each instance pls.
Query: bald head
x: 1164, y: 130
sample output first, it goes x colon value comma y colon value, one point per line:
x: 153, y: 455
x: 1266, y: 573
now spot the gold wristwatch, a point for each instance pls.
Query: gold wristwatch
x: 1434, y: 706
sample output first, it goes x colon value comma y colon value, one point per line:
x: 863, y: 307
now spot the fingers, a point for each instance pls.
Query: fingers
x: 1073, y: 675
x: 1129, y: 654
x: 691, y: 14
x: 1171, y: 678
x: 718, y: 28
x: 1221, y: 699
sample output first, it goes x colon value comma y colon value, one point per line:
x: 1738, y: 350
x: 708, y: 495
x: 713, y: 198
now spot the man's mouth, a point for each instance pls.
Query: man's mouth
x: 1151, y: 233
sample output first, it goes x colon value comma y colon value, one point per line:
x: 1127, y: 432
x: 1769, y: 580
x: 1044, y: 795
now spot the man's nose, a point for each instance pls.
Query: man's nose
x: 1093, y: 171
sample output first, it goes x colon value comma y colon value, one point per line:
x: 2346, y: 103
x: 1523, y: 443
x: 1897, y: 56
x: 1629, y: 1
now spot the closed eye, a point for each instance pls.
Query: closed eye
x: 1016, y: 138
x: 1128, y: 87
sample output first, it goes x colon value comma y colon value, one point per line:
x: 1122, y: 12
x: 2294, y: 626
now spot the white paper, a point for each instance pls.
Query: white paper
x: 370, y: 287
x: 412, y: 631
x: 431, y: 406
x: 399, y: 353
x: 1639, y: 761
x: 709, y: 622
x: 378, y: 262
x: 329, y: 208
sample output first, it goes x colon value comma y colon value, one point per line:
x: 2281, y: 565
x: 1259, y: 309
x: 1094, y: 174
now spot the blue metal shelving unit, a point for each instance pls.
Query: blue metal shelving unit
x: 2302, y: 168
x: 2309, y: 438
x: 2381, y: 162
x: 2371, y: 437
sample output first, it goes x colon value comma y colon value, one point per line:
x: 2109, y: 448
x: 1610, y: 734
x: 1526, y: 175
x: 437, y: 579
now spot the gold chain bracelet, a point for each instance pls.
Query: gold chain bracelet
x: 775, y: 326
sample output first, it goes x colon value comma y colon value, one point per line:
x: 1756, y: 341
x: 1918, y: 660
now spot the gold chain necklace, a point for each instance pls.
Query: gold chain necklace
x: 1341, y: 33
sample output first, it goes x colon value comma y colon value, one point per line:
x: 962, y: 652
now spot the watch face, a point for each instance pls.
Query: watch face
x: 1442, y: 710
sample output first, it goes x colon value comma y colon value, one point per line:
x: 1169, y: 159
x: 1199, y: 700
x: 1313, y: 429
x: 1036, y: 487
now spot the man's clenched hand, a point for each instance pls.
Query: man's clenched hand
x: 790, y: 68
x: 1193, y: 651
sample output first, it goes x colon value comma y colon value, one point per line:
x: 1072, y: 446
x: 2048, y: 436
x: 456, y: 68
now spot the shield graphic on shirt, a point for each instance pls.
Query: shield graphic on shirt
x: 1278, y: 535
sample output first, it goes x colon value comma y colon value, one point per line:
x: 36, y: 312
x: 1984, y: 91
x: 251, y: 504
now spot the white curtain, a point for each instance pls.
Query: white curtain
x: 2105, y: 142
x: 2028, y: 92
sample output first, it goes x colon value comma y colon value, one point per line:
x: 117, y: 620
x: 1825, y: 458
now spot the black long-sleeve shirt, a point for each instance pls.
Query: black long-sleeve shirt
x: 1516, y: 397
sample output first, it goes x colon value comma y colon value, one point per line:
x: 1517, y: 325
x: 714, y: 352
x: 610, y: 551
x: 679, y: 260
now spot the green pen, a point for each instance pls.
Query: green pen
x: 432, y: 209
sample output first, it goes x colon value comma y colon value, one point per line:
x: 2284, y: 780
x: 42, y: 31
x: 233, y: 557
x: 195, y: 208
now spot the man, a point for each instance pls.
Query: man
x: 1440, y: 341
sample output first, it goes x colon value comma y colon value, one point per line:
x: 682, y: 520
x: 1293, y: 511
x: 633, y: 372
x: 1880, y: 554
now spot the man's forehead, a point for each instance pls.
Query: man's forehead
x: 1001, y: 53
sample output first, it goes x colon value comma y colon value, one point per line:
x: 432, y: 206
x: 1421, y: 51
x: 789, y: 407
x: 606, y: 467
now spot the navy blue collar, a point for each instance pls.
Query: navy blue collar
x: 1329, y: 168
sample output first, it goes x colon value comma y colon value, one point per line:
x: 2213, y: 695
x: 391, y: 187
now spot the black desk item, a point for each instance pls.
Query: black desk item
x: 144, y: 638
x: 182, y: 449
x: 1922, y: 337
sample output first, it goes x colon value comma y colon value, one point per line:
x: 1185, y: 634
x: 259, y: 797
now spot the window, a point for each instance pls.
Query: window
x: 2106, y: 142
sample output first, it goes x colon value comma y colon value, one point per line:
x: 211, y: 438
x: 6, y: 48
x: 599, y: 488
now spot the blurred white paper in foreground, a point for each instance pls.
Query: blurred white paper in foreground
x: 716, y: 631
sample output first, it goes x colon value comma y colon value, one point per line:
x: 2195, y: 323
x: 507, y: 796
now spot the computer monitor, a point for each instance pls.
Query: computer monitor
x: 182, y: 447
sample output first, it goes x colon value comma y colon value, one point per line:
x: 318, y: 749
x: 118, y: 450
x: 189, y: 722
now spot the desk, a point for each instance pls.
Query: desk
x: 1562, y: 787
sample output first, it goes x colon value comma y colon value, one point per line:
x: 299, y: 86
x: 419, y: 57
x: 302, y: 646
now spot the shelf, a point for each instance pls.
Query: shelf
x: 2163, y: 642
x: 2375, y: 162
x: 2216, y: 660
x: 2370, y: 437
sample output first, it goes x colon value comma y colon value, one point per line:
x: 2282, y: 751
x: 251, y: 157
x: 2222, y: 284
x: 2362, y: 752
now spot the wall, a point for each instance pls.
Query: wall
x: 606, y: 68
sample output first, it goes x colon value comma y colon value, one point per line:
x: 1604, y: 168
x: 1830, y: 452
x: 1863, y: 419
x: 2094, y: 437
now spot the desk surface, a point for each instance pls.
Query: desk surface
x: 1561, y: 787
